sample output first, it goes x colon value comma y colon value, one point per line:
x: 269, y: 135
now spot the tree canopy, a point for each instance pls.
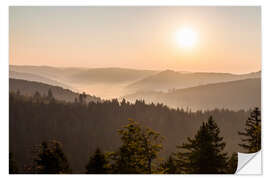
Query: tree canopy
x: 140, y: 146
x: 98, y: 164
x: 251, y: 140
x: 51, y: 159
x: 203, y: 154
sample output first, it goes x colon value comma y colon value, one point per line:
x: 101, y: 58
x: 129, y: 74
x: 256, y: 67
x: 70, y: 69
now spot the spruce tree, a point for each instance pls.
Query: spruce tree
x: 252, y: 133
x: 169, y: 166
x: 204, y: 153
x: 51, y: 159
x: 232, y: 164
x: 97, y: 164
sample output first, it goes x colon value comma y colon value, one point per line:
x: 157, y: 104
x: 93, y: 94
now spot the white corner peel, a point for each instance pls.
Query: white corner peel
x: 249, y: 163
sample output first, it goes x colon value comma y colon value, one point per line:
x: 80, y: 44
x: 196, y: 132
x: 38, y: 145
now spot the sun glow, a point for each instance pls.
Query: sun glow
x: 186, y: 38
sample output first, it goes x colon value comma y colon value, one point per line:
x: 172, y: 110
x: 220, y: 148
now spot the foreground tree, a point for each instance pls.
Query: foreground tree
x: 232, y: 164
x: 252, y: 134
x: 97, y: 164
x: 51, y: 159
x: 169, y: 166
x: 140, y: 146
x: 13, y: 168
x: 204, y: 153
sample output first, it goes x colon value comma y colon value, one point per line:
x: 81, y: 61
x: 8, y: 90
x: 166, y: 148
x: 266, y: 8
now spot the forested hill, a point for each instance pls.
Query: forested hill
x: 36, y: 78
x: 85, y: 75
x: 83, y: 127
x: 29, y: 88
x: 169, y: 79
x: 241, y: 94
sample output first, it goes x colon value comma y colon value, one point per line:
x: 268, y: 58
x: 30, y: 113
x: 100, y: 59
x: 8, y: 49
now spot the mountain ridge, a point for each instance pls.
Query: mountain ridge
x: 240, y: 94
x: 29, y: 88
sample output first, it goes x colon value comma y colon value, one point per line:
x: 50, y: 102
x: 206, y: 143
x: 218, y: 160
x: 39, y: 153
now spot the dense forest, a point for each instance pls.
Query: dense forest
x: 41, y: 126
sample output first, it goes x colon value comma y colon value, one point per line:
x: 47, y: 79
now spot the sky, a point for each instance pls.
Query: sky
x: 228, y: 39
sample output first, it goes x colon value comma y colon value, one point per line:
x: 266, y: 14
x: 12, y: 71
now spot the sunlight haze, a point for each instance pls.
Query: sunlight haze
x: 197, y: 39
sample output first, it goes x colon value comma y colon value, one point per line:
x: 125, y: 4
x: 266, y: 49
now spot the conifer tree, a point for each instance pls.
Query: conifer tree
x: 37, y: 97
x: 204, y: 153
x: 98, y: 163
x: 252, y: 134
x: 50, y: 95
x: 169, y: 166
x: 232, y: 164
x: 51, y: 159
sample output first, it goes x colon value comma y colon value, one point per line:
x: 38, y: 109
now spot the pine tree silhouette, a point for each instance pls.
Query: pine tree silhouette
x: 97, y: 164
x: 204, y: 153
x: 169, y: 166
x: 51, y: 159
x: 232, y: 164
x: 252, y: 134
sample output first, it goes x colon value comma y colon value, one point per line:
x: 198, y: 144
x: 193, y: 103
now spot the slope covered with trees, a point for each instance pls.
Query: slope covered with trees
x: 84, y: 127
x: 36, y: 78
x: 242, y: 94
x: 31, y: 88
x: 165, y: 80
x: 118, y: 82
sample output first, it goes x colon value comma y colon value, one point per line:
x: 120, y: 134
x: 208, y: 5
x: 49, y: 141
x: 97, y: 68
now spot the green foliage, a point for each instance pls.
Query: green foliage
x: 140, y: 146
x: 97, y: 164
x: 252, y: 134
x: 203, y: 154
x: 232, y: 164
x: 51, y: 159
x: 169, y: 166
x: 13, y: 168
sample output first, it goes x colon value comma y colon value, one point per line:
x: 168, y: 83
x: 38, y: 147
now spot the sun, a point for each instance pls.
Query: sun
x: 186, y: 38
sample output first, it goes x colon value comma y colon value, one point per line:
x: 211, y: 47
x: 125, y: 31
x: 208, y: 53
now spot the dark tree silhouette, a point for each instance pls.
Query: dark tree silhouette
x: 82, y: 98
x: 140, y: 146
x: 204, y: 153
x: 37, y: 97
x: 169, y: 166
x: 252, y: 134
x: 51, y: 159
x: 13, y: 168
x: 96, y: 123
x: 98, y: 163
x: 50, y: 95
x: 232, y: 163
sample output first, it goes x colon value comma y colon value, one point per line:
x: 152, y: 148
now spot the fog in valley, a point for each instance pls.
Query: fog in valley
x: 172, y: 88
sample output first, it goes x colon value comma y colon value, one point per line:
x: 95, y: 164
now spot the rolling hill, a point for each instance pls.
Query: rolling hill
x: 36, y: 78
x: 241, y: 94
x: 85, y: 75
x: 117, y: 82
x: 29, y: 88
x: 169, y: 79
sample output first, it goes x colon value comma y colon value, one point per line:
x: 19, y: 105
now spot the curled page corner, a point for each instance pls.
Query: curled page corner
x: 249, y: 163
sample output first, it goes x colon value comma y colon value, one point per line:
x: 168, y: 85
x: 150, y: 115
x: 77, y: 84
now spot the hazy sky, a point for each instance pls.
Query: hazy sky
x: 228, y: 38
